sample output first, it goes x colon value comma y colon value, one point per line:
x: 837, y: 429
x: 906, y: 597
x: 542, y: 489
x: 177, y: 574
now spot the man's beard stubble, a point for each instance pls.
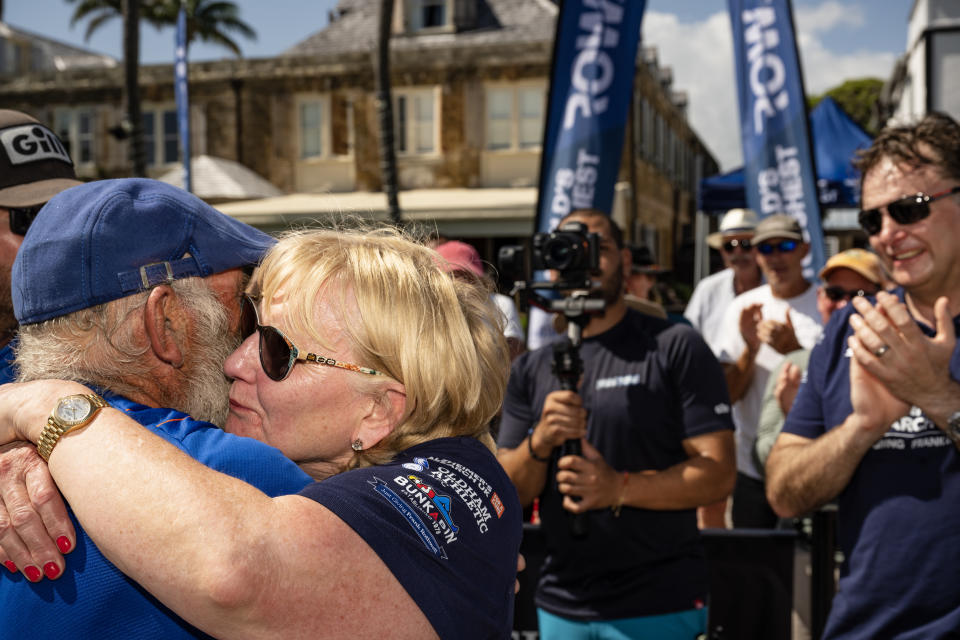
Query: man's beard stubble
x: 612, y: 290
x: 205, y: 390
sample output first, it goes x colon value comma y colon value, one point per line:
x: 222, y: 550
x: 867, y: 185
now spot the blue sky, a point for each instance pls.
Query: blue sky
x: 839, y: 39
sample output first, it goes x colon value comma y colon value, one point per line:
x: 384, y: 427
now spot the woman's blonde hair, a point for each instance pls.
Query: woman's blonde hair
x: 404, y: 316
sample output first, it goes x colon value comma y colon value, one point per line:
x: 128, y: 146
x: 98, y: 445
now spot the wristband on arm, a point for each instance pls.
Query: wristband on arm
x: 533, y: 454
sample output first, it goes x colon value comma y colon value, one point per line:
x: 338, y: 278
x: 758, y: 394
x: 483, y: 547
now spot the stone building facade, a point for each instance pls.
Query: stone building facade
x: 469, y: 80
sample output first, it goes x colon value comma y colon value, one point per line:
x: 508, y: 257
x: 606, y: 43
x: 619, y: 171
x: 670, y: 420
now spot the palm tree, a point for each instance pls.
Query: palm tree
x: 207, y: 20
x: 388, y: 155
x: 131, y: 84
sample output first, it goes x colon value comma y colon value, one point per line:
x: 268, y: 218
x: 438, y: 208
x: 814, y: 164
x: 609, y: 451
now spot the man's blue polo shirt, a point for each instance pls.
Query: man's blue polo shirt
x: 93, y: 599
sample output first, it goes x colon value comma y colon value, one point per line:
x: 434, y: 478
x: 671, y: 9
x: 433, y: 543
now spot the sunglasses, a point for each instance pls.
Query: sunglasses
x: 836, y: 294
x: 903, y: 211
x: 22, y: 217
x: 730, y: 245
x: 784, y: 246
x: 277, y: 353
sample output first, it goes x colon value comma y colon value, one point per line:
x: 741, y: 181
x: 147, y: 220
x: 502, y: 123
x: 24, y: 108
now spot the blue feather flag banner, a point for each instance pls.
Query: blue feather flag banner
x: 594, y: 57
x: 182, y: 96
x: 591, y: 82
x: 778, y: 162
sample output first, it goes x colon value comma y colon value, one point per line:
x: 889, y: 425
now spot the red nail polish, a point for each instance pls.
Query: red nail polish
x: 33, y: 574
x: 51, y: 570
x: 64, y: 543
x: 10, y: 566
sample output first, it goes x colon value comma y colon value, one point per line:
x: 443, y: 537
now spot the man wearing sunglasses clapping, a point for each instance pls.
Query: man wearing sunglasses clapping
x: 876, y: 423
x: 760, y: 327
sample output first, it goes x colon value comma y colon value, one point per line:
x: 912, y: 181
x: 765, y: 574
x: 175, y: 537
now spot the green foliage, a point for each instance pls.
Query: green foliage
x: 858, y: 98
x: 207, y: 20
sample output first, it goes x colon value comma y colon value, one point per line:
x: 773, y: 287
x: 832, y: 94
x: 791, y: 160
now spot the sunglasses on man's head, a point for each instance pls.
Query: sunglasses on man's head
x: 730, y: 245
x: 836, y: 293
x: 277, y: 353
x: 784, y: 246
x: 903, y: 211
x: 22, y: 217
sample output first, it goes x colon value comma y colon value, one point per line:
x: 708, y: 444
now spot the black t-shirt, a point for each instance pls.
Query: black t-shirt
x: 648, y: 385
x: 445, y: 518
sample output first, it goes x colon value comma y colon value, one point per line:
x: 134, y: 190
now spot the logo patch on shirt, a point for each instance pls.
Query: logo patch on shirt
x: 721, y: 409
x: 418, y: 464
x: 618, y: 381
x: 913, y: 431
x: 441, y: 504
x: 405, y: 510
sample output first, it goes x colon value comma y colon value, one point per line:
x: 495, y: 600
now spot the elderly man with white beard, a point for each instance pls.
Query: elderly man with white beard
x: 132, y: 287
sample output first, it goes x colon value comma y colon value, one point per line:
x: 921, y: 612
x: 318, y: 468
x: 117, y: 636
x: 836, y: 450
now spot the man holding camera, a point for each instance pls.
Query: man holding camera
x: 876, y: 423
x: 653, y: 418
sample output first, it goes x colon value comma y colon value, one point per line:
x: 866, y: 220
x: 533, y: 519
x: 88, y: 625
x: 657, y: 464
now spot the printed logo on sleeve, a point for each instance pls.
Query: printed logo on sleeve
x: 32, y: 142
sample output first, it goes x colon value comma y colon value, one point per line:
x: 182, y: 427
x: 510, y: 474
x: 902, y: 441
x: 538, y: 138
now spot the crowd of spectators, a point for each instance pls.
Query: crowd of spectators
x: 216, y: 487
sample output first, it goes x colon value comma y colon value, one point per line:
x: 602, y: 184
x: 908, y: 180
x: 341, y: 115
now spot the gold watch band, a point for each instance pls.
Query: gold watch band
x: 51, y: 433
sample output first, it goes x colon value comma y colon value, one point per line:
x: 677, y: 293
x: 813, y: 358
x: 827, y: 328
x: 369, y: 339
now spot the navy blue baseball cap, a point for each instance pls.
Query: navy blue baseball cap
x: 109, y: 239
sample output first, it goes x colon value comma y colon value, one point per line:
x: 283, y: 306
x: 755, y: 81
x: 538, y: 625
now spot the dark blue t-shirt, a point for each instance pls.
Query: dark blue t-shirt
x: 647, y: 385
x: 93, y: 599
x: 898, y: 521
x: 446, y: 520
x: 8, y: 372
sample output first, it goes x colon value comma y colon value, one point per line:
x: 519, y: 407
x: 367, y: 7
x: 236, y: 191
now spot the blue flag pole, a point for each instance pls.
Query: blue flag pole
x: 591, y: 82
x: 779, y: 173
x: 182, y: 95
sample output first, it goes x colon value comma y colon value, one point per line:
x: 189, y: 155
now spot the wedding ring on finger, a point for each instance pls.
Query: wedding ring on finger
x: 882, y: 350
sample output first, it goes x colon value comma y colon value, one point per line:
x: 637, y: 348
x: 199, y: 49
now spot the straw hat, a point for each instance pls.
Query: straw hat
x: 735, y: 222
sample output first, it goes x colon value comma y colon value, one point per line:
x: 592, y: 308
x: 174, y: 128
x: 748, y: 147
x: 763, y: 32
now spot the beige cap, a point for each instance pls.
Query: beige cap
x: 779, y: 225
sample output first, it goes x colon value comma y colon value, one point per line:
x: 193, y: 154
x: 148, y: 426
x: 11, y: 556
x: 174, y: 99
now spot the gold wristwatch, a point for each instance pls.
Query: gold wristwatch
x: 71, y: 412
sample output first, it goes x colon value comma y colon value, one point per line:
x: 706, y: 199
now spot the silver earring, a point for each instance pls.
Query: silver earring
x: 357, y: 445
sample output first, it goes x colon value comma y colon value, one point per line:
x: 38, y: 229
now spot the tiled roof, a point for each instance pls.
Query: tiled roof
x: 353, y: 28
x: 59, y: 55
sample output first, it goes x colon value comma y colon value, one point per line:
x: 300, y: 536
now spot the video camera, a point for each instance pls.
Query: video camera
x: 570, y: 250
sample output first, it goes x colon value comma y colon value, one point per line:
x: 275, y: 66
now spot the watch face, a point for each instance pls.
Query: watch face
x: 73, y: 410
x: 953, y: 426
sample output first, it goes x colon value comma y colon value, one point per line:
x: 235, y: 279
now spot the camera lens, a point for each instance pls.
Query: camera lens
x: 560, y: 252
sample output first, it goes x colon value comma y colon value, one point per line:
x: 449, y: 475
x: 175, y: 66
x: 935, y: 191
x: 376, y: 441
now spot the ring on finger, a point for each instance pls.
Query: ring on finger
x: 881, y: 350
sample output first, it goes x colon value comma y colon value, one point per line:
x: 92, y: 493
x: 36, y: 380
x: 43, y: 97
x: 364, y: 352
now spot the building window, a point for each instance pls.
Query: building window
x: 161, y: 139
x: 531, y: 117
x: 9, y: 56
x: 427, y: 14
x: 75, y: 127
x: 499, y: 118
x: 514, y: 117
x: 415, y: 122
x: 311, y: 129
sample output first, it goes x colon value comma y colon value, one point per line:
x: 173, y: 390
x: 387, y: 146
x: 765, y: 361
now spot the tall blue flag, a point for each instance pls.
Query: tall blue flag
x: 182, y: 96
x: 594, y: 56
x: 591, y: 81
x: 778, y: 163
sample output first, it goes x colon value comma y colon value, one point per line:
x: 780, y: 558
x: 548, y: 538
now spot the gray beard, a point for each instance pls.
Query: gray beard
x: 205, y: 391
